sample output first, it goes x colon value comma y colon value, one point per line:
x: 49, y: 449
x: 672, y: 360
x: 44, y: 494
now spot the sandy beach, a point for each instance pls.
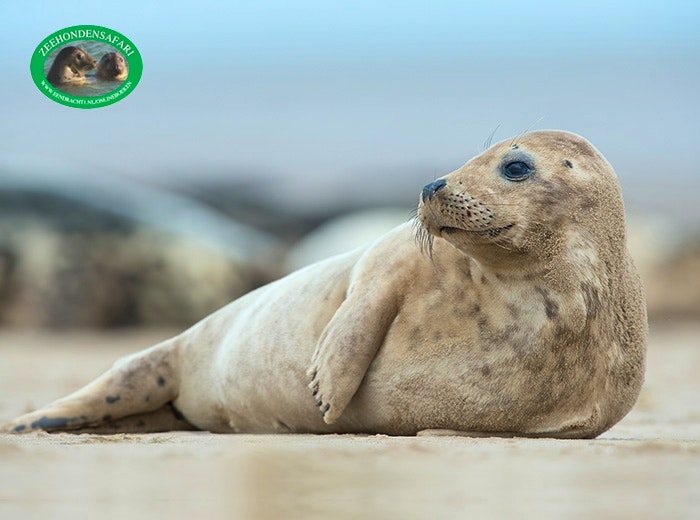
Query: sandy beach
x: 647, y: 466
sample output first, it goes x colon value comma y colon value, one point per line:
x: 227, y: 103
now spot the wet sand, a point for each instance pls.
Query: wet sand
x: 647, y: 466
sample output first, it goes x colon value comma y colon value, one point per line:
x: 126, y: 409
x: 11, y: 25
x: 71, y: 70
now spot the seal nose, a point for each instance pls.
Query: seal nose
x: 431, y: 189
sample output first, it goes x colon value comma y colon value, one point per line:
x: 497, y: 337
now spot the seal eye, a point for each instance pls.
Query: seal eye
x: 516, y: 171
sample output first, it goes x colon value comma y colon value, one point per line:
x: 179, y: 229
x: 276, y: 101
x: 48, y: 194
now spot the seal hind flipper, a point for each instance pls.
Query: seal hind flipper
x: 138, y: 384
x: 164, y: 419
x: 346, y: 349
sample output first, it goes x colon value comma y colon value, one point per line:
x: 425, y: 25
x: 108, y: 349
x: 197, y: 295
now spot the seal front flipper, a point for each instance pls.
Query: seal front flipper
x: 347, y: 347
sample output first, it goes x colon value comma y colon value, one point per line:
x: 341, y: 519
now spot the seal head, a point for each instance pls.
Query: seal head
x: 522, y: 201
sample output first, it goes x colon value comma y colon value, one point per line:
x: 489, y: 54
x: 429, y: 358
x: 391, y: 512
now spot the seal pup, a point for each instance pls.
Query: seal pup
x: 522, y: 315
x: 112, y: 67
x: 70, y: 66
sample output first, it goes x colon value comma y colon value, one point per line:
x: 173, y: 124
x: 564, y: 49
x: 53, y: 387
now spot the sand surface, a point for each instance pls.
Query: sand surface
x: 648, y: 466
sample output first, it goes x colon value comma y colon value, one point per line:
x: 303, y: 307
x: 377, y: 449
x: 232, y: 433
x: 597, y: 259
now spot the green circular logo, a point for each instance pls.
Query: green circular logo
x: 86, y: 66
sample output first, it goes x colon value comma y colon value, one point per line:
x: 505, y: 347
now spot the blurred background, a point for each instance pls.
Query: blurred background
x: 266, y: 135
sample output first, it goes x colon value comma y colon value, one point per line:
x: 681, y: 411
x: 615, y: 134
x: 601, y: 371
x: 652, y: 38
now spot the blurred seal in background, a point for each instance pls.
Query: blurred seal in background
x: 80, y: 249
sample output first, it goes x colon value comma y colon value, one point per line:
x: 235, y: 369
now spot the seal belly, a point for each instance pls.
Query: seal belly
x: 254, y: 353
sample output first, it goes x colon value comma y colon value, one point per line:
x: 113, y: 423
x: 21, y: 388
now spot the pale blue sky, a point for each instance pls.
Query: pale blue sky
x: 326, y: 90
x: 305, y: 29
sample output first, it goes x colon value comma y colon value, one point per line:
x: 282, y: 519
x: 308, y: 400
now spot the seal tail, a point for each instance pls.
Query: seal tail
x: 133, y: 396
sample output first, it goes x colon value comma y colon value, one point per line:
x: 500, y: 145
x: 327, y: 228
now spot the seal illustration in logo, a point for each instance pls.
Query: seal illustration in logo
x: 63, y: 66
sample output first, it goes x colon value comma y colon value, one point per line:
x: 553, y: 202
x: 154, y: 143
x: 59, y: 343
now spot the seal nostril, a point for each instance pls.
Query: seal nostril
x: 431, y: 189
